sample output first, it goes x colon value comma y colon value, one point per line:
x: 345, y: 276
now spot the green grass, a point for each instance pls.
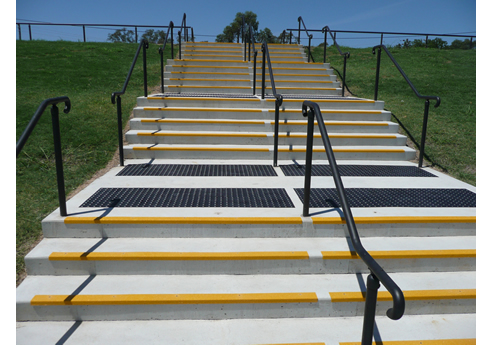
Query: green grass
x: 449, y: 74
x: 87, y: 73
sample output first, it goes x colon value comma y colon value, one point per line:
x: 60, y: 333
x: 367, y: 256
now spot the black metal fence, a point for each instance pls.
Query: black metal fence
x: 31, y: 29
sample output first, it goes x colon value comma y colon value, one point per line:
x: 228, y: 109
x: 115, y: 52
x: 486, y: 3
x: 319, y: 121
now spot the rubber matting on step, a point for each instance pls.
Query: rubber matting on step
x: 196, y: 170
x: 357, y: 170
x: 190, y: 197
x: 391, y: 197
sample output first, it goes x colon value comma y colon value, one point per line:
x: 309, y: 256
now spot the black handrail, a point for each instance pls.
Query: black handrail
x: 278, y: 97
x: 310, y: 36
x: 377, y: 273
x: 161, y: 51
x: 345, y: 55
x: 183, y: 26
x: 255, y: 53
x: 427, y: 98
x: 56, y: 139
x: 117, y: 94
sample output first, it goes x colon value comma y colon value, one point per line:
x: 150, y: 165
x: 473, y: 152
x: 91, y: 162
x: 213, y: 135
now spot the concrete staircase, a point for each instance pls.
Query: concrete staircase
x: 200, y: 240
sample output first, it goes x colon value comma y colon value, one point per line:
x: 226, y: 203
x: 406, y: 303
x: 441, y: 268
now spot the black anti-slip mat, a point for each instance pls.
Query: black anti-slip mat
x: 391, y: 197
x: 357, y: 170
x: 189, y: 197
x: 196, y: 170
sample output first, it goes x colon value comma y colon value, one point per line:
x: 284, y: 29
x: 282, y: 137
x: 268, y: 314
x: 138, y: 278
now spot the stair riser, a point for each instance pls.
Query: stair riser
x: 55, y: 229
x: 260, y: 128
x: 189, y: 154
x: 232, y: 140
x: 231, y: 311
x: 240, y: 52
x: 240, y: 49
x: 43, y: 266
x: 141, y: 113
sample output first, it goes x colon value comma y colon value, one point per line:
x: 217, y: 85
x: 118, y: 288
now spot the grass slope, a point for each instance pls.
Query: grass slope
x: 449, y: 74
x: 87, y: 73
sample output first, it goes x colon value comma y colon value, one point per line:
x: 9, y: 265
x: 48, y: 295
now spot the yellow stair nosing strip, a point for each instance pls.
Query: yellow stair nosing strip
x: 403, y: 254
x: 204, y: 79
x: 194, y: 134
x: 331, y: 123
x: 397, y: 220
x: 146, y: 299
x: 410, y: 295
x: 206, y: 121
x: 331, y: 111
x: 203, y: 109
x: 342, y: 150
x: 184, y: 220
x: 178, y: 256
x: 327, y: 100
x: 341, y: 136
x: 205, y: 99
x: 197, y: 148
x: 420, y: 342
x: 207, y: 86
x: 198, y: 66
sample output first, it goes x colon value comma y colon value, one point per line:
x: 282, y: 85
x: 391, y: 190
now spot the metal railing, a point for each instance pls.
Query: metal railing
x: 56, y: 139
x: 345, y: 55
x: 161, y: 52
x: 255, y: 55
x: 310, y: 36
x: 278, y: 97
x: 377, y: 273
x: 115, y: 96
x: 427, y: 98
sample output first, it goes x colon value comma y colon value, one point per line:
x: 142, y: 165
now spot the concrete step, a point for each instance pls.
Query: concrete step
x: 231, y: 62
x: 295, y: 126
x: 247, y: 255
x: 189, y: 151
x: 254, y: 102
x: 256, y: 114
x: 195, y: 297
x: 432, y: 330
x: 240, y: 57
x: 243, y: 75
x: 259, y: 138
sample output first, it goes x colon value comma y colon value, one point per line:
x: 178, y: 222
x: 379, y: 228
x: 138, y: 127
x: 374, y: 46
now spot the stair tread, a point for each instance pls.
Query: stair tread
x: 330, y: 331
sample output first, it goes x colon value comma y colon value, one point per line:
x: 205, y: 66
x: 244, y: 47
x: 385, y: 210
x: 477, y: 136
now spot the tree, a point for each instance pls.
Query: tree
x: 266, y: 35
x: 232, y: 31
x: 154, y: 36
x: 122, y: 35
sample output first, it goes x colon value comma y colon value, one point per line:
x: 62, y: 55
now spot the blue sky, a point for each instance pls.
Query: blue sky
x: 209, y: 18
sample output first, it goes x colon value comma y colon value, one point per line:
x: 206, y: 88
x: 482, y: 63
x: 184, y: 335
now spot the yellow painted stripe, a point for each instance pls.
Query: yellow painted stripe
x: 341, y: 150
x: 296, y: 344
x: 327, y: 100
x: 395, y: 220
x: 302, y: 88
x: 204, y: 79
x: 197, y: 66
x: 202, y: 121
x: 175, y: 256
x: 410, y: 295
x: 340, y: 136
x: 327, y: 111
x: 300, y: 74
x: 334, y: 123
x: 175, y: 148
x: 205, y: 99
x: 293, y: 62
x: 210, y: 73
x: 420, y: 342
x: 203, y: 109
x: 403, y: 254
x: 211, y: 60
x: 183, y: 220
x: 208, y: 87
x: 304, y: 81
x: 193, y: 134
x: 126, y: 299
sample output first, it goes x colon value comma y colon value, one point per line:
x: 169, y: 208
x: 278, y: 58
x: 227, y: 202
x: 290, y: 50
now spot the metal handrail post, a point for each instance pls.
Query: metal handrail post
x: 370, y: 309
x: 378, y: 66
x: 120, y: 129
x: 58, y: 161
x: 424, y: 133
x: 263, y: 58
x: 309, y: 163
x: 324, y: 54
x: 344, y: 74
